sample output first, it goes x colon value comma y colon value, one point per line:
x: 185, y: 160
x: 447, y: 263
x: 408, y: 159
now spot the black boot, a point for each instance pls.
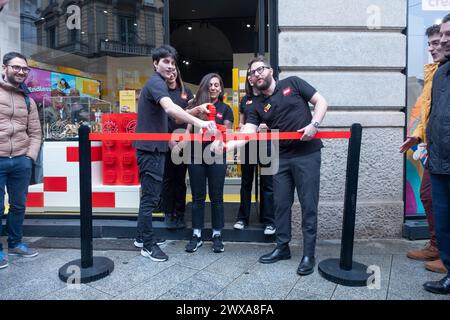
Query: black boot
x: 279, y: 253
x: 306, y: 266
x: 440, y: 287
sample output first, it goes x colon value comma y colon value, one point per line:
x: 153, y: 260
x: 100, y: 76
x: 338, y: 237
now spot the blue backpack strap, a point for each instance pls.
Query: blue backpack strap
x: 28, y: 103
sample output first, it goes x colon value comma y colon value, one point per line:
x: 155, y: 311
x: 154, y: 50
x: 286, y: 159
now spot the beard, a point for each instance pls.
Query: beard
x: 11, y: 78
x: 265, y: 85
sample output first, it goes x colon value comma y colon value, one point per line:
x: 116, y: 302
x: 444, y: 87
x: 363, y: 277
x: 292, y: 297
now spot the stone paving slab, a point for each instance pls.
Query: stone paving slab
x: 407, y: 279
x: 234, y: 274
x: 83, y: 292
x: 159, y: 284
x: 203, y: 285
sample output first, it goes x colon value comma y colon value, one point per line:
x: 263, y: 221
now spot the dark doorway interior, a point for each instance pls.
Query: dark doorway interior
x: 207, y: 33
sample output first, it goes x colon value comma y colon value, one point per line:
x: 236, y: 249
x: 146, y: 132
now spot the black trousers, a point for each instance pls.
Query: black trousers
x: 199, y: 176
x: 151, y: 171
x: 266, y: 188
x: 173, y: 194
x: 301, y: 173
x: 266, y: 200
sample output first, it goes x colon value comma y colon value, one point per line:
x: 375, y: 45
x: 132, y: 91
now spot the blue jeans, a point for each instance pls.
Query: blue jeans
x: 440, y: 191
x: 15, y: 174
x: 215, y: 175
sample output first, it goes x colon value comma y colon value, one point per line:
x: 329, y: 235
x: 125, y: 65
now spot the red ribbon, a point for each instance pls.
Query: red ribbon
x: 226, y: 137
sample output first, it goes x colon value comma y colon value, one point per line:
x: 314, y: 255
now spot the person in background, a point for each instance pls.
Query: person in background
x: 438, y: 163
x: 429, y: 253
x: 173, y: 195
x: 20, y: 140
x: 248, y: 170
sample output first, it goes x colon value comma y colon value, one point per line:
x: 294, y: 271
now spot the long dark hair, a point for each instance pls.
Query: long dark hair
x: 249, y: 89
x: 179, y: 82
x: 202, y: 95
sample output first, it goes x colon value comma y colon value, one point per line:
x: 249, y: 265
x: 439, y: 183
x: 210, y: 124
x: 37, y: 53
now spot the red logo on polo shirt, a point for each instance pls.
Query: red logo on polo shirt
x: 219, y: 115
x: 287, y: 92
x: 184, y: 96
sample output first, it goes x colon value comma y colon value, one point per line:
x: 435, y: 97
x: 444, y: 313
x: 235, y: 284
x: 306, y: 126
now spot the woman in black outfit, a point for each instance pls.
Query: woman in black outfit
x: 207, y: 168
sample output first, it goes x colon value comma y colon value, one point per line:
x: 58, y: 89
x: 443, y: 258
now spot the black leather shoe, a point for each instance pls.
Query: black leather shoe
x: 306, y: 266
x: 279, y: 253
x: 440, y: 287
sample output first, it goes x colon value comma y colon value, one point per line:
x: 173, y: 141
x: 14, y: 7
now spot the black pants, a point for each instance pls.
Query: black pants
x: 303, y: 173
x: 173, y: 194
x: 266, y: 200
x: 151, y: 171
x: 266, y: 186
x: 199, y: 175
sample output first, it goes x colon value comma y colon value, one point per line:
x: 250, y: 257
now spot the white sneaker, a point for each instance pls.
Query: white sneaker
x: 269, y: 230
x: 239, y: 225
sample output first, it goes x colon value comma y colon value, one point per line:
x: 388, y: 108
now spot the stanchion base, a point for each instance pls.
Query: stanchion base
x: 73, y: 273
x: 357, y: 277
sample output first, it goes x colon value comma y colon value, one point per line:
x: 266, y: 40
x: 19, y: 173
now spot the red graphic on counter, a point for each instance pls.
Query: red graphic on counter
x: 119, y: 157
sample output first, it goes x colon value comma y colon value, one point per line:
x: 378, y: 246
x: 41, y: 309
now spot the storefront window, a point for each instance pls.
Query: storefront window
x: 100, y: 47
x: 422, y: 14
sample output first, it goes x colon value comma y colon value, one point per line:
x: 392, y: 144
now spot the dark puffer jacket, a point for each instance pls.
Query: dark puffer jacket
x: 438, y: 130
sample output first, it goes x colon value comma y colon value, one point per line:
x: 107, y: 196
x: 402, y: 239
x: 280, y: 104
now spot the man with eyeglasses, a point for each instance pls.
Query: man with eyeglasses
x: 438, y: 163
x: 283, y: 105
x: 20, y: 140
x: 429, y: 253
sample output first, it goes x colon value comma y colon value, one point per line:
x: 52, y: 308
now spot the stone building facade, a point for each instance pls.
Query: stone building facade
x: 359, y: 67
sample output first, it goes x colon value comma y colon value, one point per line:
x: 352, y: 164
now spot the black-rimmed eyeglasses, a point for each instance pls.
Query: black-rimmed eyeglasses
x: 258, y: 70
x: 19, y: 68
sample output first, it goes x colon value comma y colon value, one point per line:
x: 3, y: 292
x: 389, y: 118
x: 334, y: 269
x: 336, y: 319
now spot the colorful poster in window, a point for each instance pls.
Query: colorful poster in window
x: 63, y: 83
x: 127, y: 101
x: 39, y: 84
x: 43, y: 83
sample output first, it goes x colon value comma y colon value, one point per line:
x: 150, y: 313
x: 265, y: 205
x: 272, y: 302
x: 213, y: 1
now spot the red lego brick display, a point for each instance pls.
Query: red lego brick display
x: 119, y: 157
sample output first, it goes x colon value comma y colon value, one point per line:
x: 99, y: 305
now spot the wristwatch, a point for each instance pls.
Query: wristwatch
x: 315, y: 124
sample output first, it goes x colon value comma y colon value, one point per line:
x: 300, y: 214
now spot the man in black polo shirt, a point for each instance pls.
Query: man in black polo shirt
x: 438, y: 162
x: 283, y: 106
x: 154, y: 106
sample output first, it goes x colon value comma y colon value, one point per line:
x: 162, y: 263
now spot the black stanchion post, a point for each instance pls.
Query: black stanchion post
x: 344, y: 270
x: 85, y: 175
x: 88, y: 268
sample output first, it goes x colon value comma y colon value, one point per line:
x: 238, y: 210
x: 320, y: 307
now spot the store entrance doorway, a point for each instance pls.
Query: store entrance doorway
x: 217, y: 37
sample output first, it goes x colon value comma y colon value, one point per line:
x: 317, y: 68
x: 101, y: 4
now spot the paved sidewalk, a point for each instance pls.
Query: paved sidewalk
x: 234, y: 274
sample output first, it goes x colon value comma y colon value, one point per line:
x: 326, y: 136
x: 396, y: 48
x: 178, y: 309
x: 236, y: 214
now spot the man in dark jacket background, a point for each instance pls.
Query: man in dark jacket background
x: 20, y: 139
x: 438, y: 133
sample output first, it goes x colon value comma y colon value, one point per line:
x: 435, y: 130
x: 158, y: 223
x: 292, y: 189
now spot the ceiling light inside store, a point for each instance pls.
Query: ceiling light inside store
x: 189, y: 28
x: 248, y: 26
x: 104, y: 11
x: 106, y: 40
